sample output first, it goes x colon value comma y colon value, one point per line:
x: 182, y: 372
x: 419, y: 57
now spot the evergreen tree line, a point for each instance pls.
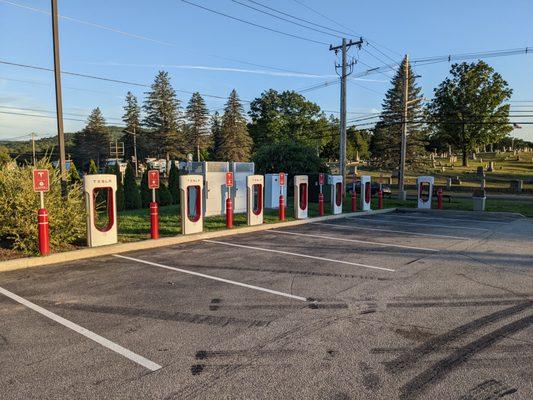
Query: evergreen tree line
x: 468, y: 110
x: 166, y: 131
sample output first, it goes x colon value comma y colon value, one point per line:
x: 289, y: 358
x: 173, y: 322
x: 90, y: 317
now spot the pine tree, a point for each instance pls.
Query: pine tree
x: 173, y: 183
x: 216, y: 134
x: 197, y: 117
x: 93, y: 141
x: 132, y: 119
x: 120, y: 188
x: 236, y: 142
x: 162, y: 108
x: 132, y: 195
x: 93, y: 170
x: 73, y: 177
x: 387, y: 137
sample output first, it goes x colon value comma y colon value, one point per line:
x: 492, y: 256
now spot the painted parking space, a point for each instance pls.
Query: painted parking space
x: 326, y: 300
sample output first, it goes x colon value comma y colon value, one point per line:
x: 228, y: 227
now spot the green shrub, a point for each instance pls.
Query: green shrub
x: 164, y: 197
x: 93, y: 169
x: 146, y: 194
x: 174, y: 182
x: 73, y: 177
x: 19, y: 205
x: 290, y: 157
x: 132, y: 195
x: 120, y: 187
x: 4, y: 155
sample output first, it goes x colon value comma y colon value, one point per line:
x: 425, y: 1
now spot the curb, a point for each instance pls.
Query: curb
x: 466, y: 212
x: 22, y: 263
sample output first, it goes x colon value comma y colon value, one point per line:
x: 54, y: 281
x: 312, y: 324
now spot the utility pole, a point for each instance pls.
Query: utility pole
x: 59, y: 100
x: 135, y: 151
x: 33, y: 146
x: 344, y: 74
x: 401, y: 179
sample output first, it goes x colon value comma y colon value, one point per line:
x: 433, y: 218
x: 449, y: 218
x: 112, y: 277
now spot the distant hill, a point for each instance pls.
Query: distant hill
x: 47, y: 146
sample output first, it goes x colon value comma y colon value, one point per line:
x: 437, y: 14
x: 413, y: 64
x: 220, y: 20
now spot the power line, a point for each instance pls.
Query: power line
x: 285, y: 19
x: 342, y: 26
x: 49, y: 117
x: 381, y: 52
x: 326, y: 17
x: 254, y: 24
x: 52, y: 112
x: 299, y: 19
x: 141, y: 37
x: 107, y: 79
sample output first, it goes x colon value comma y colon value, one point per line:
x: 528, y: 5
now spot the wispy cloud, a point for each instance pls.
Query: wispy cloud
x: 213, y: 68
x: 267, y: 72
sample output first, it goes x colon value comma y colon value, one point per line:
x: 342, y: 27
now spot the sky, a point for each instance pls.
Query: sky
x: 131, y: 40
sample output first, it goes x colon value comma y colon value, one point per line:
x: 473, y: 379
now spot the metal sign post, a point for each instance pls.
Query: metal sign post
x: 354, y: 194
x: 153, y: 183
x: 41, y: 184
x: 321, y: 181
x: 229, y: 204
x: 281, y: 196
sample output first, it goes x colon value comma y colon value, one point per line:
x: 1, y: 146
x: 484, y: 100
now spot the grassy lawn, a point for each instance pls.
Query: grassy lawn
x: 135, y: 225
x: 507, y: 167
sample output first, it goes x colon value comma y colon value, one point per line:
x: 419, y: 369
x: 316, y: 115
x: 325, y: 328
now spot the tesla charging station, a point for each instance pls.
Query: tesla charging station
x: 335, y: 182
x: 94, y: 188
x: 192, y: 220
x: 424, y: 186
x: 254, y: 190
x: 301, y: 204
x: 241, y: 170
x: 366, y: 193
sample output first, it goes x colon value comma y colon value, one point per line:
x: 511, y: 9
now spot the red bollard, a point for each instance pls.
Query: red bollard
x: 154, y: 220
x: 281, y: 208
x: 439, y: 199
x: 380, y: 199
x: 321, y: 204
x: 44, y: 232
x: 229, y: 213
x: 354, y: 200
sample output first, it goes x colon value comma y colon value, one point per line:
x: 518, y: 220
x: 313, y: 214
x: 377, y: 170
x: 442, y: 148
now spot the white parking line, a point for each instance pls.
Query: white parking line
x: 353, y: 240
x: 85, y: 332
x: 215, y: 278
x: 365, y: 228
x: 401, y: 246
x: 300, y: 255
x: 382, y: 221
x: 447, y: 219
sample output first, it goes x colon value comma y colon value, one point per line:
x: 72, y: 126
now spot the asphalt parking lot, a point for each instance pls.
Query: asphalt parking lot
x: 403, y: 305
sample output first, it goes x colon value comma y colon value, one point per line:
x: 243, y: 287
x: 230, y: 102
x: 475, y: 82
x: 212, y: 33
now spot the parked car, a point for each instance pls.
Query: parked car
x: 374, y: 188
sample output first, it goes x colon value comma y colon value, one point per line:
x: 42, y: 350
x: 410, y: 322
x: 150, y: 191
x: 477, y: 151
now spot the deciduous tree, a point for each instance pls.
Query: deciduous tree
x: 469, y: 109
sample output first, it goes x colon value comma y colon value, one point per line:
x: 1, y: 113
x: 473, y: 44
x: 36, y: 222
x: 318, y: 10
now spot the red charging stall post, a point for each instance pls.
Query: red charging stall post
x: 281, y: 196
x: 153, y: 183
x: 321, y: 182
x: 229, y: 204
x: 439, y: 198
x: 354, y: 194
x: 41, y: 184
